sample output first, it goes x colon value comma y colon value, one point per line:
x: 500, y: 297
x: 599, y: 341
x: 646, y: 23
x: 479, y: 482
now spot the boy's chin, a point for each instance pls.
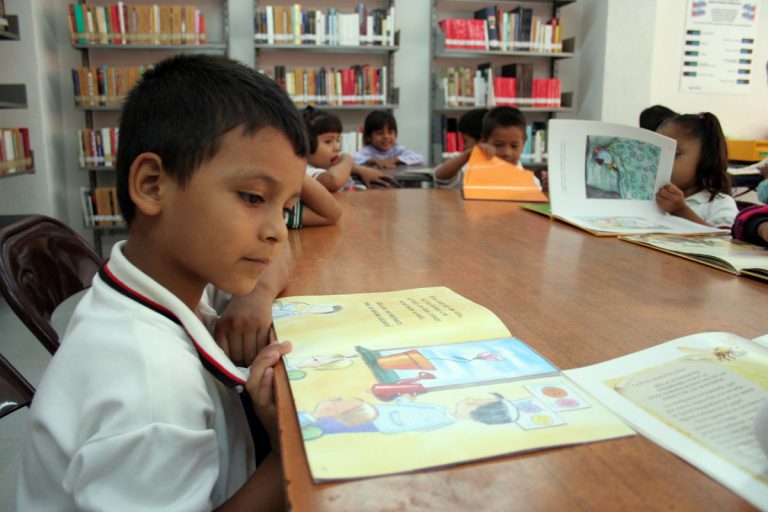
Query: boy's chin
x: 240, y: 289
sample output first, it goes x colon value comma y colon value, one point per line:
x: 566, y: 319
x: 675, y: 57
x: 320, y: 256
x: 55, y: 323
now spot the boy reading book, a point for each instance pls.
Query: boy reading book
x: 138, y: 408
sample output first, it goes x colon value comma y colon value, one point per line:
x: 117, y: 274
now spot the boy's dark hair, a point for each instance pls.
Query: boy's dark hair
x: 471, y: 123
x: 712, y: 171
x: 652, y: 117
x: 180, y: 109
x: 378, y: 120
x: 319, y: 122
x: 504, y: 117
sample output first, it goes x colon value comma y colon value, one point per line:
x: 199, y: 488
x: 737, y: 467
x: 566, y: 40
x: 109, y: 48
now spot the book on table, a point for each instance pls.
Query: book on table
x: 603, y: 178
x: 492, y: 178
x: 427, y: 373
x: 698, y: 397
x: 721, y: 252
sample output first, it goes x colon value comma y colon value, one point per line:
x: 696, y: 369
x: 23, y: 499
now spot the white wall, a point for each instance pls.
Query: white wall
x: 742, y: 116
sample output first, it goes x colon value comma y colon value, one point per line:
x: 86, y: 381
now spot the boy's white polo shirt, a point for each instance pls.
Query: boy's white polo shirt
x: 127, y: 417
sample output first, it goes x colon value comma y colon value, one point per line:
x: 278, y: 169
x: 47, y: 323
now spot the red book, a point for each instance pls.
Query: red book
x: 476, y: 34
x: 451, y: 145
x: 114, y: 17
x: 448, y: 26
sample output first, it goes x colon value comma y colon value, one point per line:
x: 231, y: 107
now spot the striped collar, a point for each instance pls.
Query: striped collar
x: 120, y: 275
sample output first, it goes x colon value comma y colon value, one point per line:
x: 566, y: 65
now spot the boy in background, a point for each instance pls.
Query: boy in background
x: 449, y: 173
x: 138, y: 408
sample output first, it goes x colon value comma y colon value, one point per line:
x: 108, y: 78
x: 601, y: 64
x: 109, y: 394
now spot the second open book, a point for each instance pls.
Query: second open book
x: 399, y: 381
x: 603, y: 178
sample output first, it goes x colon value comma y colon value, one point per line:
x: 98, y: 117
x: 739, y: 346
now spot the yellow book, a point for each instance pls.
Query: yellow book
x: 424, y: 372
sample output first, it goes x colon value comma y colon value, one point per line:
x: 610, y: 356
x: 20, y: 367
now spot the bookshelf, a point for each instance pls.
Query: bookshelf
x: 460, y: 55
x: 340, y: 57
x: 16, y: 158
x: 114, y: 56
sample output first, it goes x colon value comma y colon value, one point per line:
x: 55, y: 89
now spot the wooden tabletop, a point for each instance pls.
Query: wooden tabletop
x: 576, y: 298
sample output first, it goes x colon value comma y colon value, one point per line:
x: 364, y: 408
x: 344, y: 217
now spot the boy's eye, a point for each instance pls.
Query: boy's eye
x: 251, y: 198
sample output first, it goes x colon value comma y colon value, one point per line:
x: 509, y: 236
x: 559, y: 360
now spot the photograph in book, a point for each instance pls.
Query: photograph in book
x: 620, y: 168
x: 698, y: 397
x: 721, y: 252
x: 427, y: 373
x: 603, y: 178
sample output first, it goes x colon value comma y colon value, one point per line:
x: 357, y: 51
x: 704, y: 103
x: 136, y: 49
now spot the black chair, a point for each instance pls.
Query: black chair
x: 42, y: 263
x: 15, y: 391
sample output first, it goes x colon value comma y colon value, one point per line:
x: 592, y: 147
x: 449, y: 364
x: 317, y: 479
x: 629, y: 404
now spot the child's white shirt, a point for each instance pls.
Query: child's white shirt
x: 718, y: 211
x: 127, y: 417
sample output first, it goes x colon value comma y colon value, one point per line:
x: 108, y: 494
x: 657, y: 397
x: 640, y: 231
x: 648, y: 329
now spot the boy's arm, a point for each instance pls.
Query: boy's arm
x: 451, y: 167
x: 244, y: 325
x: 264, y: 489
x: 320, y: 207
x: 371, y: 176
x: 338, y: 174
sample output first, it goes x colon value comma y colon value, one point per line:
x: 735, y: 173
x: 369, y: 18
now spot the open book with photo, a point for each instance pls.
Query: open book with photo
x: 603, y: 178
x: 721, y: 252
x: 427, y: 373
x: 698, y: 397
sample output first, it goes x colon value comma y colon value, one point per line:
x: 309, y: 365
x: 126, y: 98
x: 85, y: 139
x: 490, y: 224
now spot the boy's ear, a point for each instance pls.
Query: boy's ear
x: 146, y: 183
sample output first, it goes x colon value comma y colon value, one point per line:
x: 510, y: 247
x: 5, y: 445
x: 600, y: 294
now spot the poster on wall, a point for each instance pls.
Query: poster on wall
x: 719, y: 46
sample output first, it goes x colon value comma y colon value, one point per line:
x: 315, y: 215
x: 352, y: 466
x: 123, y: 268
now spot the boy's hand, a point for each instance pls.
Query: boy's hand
x: 260, y: 387
x: 369, y: 176
x: 383, y: 163
x: 243, y: 328
x: 762, y: 230
x: 671, y: 199
x: 489, y: 150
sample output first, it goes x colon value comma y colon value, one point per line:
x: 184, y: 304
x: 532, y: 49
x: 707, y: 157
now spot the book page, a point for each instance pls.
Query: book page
x: 698, y: 397
x: 739, y: 255
x: 424, y: 372
x: 604, y: 177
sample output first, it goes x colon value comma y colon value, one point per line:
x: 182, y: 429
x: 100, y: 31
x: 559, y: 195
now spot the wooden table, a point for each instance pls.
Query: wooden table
x: 576, y: 298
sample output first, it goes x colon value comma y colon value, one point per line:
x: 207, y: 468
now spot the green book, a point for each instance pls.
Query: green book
x: 540, y: 208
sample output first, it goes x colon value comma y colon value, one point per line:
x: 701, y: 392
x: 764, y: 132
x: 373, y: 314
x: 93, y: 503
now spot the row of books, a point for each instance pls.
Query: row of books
x: 97, y: 147
x: 15, y: 153
x: 153, y: 24
x: 101, y: 207
x: 294, y: 25
x: 514, y: 87
x: 493, y: 29
x: 356, y: 85
x: 104, y: 85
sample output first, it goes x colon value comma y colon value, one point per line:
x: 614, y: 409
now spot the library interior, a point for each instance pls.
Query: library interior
x: 524, y: 261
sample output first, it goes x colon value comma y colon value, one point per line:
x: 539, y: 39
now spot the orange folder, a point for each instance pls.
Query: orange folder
x: 493, y: 178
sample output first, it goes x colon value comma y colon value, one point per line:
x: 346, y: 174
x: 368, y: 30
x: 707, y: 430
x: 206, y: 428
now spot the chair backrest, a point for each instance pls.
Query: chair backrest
x: 42, y: 263
x: 15, y: 391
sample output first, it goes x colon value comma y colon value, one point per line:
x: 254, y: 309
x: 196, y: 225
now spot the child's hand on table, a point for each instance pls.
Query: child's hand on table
x: 260, y: 387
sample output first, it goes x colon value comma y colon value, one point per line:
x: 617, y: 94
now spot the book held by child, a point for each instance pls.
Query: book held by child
x: 427, y: 373
x: 603, y: 178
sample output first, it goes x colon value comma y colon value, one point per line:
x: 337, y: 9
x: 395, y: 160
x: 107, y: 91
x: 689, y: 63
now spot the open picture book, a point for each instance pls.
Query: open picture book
x: 494, y: 179
x: 400, y: 381
x: 603, y: 178
x: 721, y: 252
x: 697, y: 397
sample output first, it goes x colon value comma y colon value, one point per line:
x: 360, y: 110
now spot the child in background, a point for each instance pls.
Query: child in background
x: 138, y: 409
x: 700, y: 185
x: 381, y: 148
x: 317, y: 206
x: 326, y: 162
x: 449, y: 174
x: 652, y: 117
x: 751, y: 225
